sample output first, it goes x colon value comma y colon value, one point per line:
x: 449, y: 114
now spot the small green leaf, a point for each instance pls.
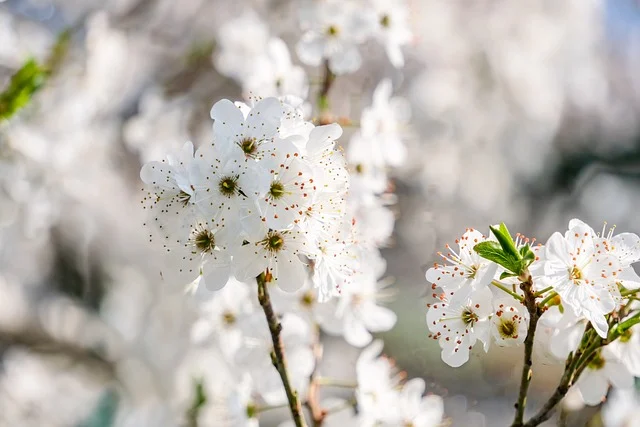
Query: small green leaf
x: 506, y: 242
x: 506, y: 274
x: 493, y: 252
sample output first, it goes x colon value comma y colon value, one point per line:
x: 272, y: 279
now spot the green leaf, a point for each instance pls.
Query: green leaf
x: 493, y: 252
x: 506, y: 242
x: 23, y: 84
x: 506, y: 274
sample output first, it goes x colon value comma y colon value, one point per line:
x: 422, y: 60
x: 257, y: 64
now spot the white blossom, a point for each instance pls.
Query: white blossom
x: 581, y: 275
x: 333, y: 31
x: 603, y: 371
x: 457, y: 325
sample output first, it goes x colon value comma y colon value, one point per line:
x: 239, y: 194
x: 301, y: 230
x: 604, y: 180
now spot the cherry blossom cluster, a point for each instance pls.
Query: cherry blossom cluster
x: 333, y: 30
x: 580, y: 286
x: 269, y: 196
x: 266, y: 195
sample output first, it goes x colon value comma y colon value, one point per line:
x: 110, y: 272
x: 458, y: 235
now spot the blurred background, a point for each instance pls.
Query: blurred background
x: 524, y: 112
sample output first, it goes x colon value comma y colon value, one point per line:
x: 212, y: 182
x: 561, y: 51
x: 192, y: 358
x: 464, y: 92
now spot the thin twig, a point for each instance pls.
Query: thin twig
x: 278, y: 357
x: 327, y: 81
x: 37, y: 340
x: 318, y: 414
x: 574, y: 366
x: 527, y: 372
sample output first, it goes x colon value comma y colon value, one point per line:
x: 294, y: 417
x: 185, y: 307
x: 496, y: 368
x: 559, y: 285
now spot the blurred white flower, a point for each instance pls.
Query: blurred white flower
x: 359, y: 310
x: 241, y: 46
x: 622, y: 409
x: 333, y: 31
x: 254, y: 355
x: 392, y: 29
x: 379, y: 141
x: 377, y: 382
x: 221, y: 314
x: 627, y: 349
x: 603, y: 371
x: 278, y: 76
x: 565, y: 331
x: 417, y: 410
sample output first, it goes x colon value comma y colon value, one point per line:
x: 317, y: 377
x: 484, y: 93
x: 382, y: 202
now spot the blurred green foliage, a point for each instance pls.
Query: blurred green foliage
x: 199, y: 400
x: 24, y: 83
x: 31, y: 76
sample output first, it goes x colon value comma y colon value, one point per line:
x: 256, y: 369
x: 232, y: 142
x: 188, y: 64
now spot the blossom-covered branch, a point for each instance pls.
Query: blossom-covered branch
x: 578, y: 278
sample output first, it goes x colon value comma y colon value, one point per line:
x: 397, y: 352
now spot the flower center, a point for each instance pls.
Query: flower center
x: 385, y: 21
x: 205, y: 241
x: 597, y: 362
x: 251, y: 410
x: 276, y: 190
x: 249, y: 146
x: 184, y: 198
x: 333, y: 31
x: 274, y: 241
x: 307, y: 299
x: 575, y: 274
x: 507, y: 329
x: 468, y: 317
x: 228, y: 186
x: 473, y: 270
x: 359, y: 168
x: 228, y: 318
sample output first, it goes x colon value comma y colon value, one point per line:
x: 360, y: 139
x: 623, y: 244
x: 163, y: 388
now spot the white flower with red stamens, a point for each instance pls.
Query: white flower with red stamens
x: 581, y: 274
x: 290, y: 189
x: 458, y: 325
x: 275, y: 252
x: 509, y: 322
x: 466, y: 271
x: 174, y: 184
x: 625, y: 247
x: 248, y: 133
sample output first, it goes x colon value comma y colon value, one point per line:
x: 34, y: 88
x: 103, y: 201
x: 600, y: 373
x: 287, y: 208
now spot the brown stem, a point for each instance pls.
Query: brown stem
x: 547, y: 410
x: 574, y: 366
x: 527, y: 372
x: 318, y: 414
x: 327, y: 81
x: 278, y: 357
x: 37, y: 340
